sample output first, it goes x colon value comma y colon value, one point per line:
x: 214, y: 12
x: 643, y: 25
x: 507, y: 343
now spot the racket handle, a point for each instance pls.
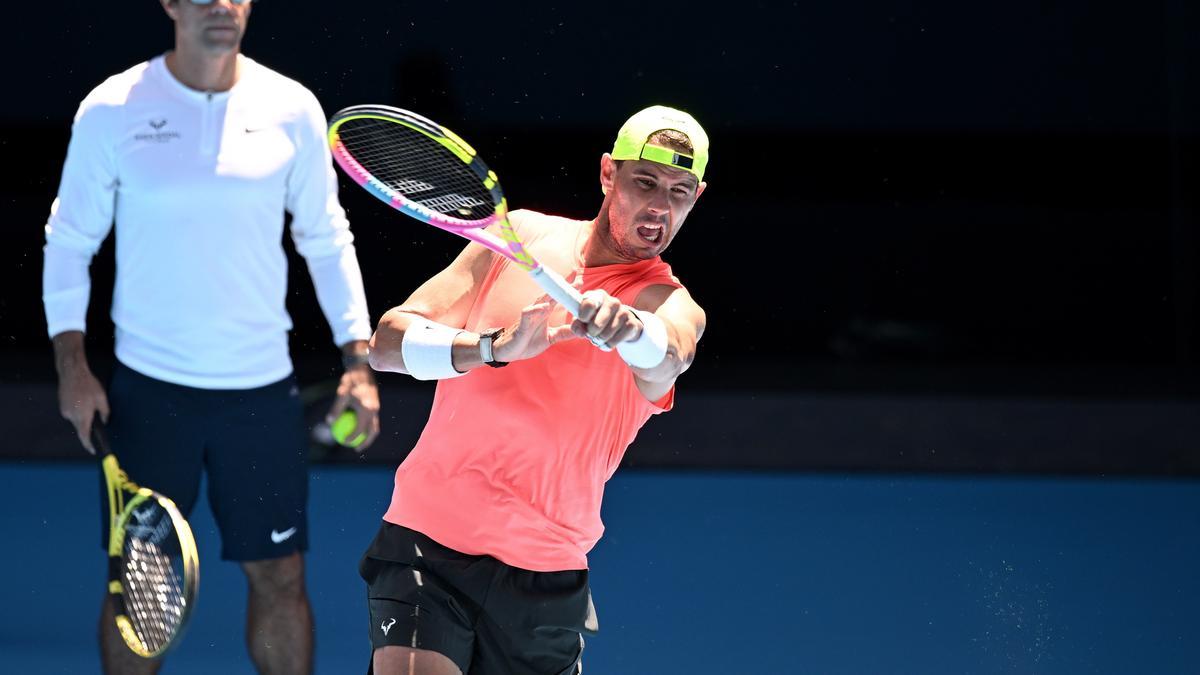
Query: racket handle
x: 563, y: 293
x: 99, y: 437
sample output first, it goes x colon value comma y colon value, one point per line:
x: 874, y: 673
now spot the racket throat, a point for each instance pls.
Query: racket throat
x: 556, y: 287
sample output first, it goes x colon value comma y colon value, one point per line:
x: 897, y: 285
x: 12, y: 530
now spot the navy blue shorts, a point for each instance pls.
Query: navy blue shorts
x: 252, y: 443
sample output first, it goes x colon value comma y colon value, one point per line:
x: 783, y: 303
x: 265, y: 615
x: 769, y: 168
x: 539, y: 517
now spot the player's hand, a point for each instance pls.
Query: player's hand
x: 532, y: 334
x: 602, y: 318
x: 357, y: 390
x: 80, y: 398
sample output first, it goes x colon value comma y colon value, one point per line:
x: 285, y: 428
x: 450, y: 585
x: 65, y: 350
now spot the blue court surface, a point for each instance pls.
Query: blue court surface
x: 705, y: 573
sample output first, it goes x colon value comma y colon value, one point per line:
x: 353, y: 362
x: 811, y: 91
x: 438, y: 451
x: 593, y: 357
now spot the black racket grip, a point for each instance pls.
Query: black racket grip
x: 100, y: 437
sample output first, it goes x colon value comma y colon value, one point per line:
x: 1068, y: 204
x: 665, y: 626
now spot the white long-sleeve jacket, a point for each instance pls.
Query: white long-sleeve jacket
x: 197, y: 184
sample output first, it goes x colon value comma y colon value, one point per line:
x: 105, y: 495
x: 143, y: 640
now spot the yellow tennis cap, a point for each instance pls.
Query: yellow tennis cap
x: 633, y: 139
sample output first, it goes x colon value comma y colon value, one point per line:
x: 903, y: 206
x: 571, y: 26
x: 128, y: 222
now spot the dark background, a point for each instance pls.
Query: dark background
x: 937, y: 236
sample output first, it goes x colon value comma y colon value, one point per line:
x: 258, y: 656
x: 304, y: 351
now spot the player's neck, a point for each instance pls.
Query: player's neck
x: 597, y: 249
x: 204, y: 71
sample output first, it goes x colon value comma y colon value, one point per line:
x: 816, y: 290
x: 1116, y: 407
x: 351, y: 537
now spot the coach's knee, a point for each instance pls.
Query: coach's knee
x: 280, y: 577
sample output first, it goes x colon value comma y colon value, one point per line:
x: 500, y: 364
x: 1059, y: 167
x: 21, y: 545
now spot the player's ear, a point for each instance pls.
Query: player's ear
x: 700, y: 189
x: 171, y: 7
x: 608, y: 172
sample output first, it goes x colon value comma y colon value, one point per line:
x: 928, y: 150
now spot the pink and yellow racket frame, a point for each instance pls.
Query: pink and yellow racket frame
x: 506, y: 244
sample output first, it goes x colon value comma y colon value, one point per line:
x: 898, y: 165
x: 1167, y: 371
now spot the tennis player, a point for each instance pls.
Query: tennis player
x: 197, y: 154
x: 480, y: 565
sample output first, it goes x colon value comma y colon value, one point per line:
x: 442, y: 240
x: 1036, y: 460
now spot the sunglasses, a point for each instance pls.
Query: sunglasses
x: 209, y: 2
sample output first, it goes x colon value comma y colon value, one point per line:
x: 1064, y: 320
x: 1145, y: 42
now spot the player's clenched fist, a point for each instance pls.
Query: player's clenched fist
x: 603, y: 318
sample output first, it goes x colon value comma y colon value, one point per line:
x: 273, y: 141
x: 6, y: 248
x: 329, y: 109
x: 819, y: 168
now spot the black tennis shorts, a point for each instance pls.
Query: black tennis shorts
x: 252, y: 443
x: 488, y: 617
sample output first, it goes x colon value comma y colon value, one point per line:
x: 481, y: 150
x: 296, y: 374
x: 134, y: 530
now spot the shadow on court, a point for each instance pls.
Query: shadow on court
x: 714, y: 573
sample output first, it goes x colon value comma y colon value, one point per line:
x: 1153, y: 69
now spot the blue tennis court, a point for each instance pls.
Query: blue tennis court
x: 723, y: 573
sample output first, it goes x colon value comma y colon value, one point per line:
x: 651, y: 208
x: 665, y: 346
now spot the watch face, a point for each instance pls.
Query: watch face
x: 486, y: 343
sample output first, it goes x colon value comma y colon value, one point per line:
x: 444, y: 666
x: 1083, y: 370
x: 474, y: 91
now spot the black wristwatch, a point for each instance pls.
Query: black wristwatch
x: 355, y: 359
x: 486, y: 339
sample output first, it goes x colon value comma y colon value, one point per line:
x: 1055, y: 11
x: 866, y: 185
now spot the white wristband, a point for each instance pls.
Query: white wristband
x: 650, y: 348
x: 427, y: 349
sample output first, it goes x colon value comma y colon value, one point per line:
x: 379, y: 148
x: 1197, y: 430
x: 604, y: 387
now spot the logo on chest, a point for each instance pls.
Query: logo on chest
x: 160, y: 133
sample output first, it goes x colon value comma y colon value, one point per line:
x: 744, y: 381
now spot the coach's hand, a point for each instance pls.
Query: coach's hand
x: 80, y: 394
x: 532, y: 334
x: 604, y: 319
x: 80, y: 397
x: 357, y: 390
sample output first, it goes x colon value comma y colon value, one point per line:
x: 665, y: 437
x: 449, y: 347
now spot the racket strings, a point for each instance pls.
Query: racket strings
x: 152, y: 578
x: 417, y: 167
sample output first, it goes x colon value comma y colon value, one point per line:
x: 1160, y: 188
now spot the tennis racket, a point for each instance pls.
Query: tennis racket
x: 426, y: 171
x: 153, y: 569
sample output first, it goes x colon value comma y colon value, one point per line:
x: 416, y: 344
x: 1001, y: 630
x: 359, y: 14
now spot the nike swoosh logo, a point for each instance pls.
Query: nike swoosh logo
x: 254, y: 130
x: 280, y: 537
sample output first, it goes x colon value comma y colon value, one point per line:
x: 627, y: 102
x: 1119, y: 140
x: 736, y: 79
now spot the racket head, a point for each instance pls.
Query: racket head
x: 427, y: 172
x: 153, y: 565
x: 154, y: 571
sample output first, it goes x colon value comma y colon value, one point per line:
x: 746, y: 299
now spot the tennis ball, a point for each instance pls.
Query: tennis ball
x: 343, y: 426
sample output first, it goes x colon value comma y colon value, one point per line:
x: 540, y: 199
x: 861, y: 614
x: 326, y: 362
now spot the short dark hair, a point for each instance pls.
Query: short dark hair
x: 675, y: 140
